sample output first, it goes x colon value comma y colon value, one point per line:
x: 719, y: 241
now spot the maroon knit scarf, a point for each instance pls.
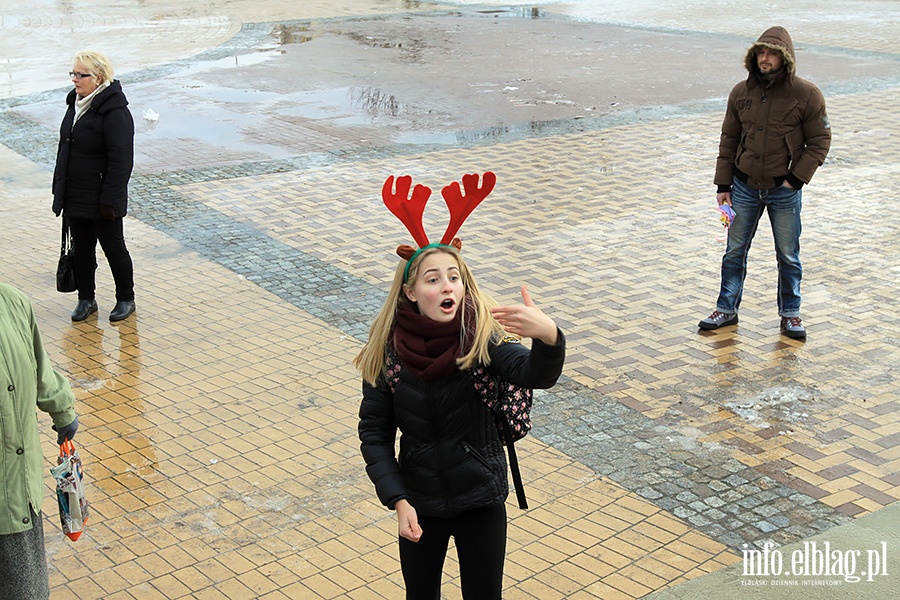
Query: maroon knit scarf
x: 429, y: 348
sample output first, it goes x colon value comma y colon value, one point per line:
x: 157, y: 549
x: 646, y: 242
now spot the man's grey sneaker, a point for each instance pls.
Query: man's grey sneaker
x: 792, y: 327
x: 718, y: 319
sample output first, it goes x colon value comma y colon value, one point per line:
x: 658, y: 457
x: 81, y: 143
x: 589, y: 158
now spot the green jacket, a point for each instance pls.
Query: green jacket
x: 27, y: 382
x: 773, y: 130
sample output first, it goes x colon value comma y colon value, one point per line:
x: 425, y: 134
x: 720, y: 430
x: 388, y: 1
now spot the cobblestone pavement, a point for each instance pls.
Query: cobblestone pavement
x: 219, y: 424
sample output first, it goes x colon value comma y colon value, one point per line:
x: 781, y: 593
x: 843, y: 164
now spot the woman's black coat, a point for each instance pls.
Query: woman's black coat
x: 451, y: 458
x: 94, y: 160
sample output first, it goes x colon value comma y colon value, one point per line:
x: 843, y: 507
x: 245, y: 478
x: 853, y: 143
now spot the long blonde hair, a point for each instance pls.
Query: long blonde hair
x: 370, y: 360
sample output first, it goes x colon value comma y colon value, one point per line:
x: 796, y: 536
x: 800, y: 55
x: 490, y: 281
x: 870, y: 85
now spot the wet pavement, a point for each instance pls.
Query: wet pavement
x: 219, y: 424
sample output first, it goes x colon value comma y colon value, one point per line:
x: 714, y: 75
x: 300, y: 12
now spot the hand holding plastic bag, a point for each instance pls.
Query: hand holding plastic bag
x: 73, y: 504
x: 726, y: 215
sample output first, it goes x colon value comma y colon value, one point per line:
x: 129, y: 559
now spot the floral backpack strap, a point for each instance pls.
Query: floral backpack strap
x: 515, y: 404
x: 392, y: 369
x: 511, y: 406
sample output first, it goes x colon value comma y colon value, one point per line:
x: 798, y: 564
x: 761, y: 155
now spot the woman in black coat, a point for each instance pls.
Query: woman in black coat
x: 90, y: 184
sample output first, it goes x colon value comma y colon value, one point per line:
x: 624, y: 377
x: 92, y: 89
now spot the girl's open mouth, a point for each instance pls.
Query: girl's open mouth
x: 448, y: 304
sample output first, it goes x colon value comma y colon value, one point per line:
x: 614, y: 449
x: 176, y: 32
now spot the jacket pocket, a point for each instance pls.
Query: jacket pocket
x: 470, y: 451
x: 795, y: 143
x: 739, y: 151
x: 405, y: 459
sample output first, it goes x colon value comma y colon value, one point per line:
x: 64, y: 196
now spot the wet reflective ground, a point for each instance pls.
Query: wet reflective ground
x: 219, y: 424
x: 295, y: 87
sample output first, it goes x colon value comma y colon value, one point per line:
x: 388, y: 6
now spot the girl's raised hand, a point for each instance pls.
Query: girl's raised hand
x: 527, y: 320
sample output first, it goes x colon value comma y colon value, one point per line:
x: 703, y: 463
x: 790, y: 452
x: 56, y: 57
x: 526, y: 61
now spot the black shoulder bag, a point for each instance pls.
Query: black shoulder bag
x: 65, y: 268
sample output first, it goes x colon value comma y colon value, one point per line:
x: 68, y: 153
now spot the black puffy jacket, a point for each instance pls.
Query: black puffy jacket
x: 451, y: 458
x: 94, y: 159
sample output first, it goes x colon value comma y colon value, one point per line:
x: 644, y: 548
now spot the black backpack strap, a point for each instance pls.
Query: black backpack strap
x: 513, y: 461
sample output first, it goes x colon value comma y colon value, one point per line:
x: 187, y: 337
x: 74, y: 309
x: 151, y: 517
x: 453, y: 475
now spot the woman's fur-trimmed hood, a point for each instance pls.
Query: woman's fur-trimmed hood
x: 778, y: 39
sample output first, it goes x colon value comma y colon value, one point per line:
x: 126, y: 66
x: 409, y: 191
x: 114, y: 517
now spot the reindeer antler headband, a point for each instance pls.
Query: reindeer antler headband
x: 409, y: 209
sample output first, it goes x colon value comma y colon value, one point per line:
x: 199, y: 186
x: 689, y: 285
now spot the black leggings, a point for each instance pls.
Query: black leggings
x: 85, y: 235
x: 480, y: 536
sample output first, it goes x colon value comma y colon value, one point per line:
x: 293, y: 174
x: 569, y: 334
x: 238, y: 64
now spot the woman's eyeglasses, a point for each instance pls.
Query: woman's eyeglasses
x: 78, y: 75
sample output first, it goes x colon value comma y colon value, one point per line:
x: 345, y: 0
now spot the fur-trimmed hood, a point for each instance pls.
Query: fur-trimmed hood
x: 778, y: 39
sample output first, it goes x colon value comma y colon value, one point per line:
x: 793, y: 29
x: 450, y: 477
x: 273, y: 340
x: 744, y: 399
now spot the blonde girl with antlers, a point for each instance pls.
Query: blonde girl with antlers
x: 438, y: 352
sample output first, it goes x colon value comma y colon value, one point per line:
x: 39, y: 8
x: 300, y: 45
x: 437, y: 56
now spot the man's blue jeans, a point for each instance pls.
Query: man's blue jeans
x: 783, y: 205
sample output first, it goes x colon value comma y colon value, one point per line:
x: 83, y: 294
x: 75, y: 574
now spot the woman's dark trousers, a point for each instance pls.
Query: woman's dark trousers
x: 480, y: 537
x: 85, y: 235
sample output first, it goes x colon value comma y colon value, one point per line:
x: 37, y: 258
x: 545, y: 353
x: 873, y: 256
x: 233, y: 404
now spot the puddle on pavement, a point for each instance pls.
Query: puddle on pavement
x: 410, y: 48
x: 225, y: 94
x: 424, y: 137
x: 375, y: 103
x: 285, y: 34
x: 345, y: 106
x: 526, y: 12
x: 216, y: 128
x: 231, y: 62
x: 216, y: 123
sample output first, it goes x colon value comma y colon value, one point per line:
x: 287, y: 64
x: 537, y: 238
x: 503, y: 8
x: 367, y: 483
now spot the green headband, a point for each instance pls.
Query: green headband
x: 417, y: 253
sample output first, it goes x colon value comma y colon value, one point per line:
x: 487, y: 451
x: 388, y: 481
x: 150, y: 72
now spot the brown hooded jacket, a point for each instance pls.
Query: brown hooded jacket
x: 775, y: 128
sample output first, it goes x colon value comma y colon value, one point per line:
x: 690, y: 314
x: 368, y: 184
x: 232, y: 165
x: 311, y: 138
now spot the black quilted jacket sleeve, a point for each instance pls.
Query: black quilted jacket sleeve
x: 377, y: 434
x: 537, y: 369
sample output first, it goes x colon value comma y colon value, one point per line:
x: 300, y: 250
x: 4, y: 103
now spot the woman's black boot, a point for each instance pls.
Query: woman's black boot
x: 122, y: 310
x: 83, y: 309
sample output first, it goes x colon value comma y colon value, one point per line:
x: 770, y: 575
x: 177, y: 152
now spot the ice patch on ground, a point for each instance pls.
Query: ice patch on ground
x: 89, y: 384
x: 692, y: 439
x: 774, y: 406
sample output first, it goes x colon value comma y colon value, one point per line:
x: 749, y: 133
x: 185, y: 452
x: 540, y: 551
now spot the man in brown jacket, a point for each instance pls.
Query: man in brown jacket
x: 774, y: 137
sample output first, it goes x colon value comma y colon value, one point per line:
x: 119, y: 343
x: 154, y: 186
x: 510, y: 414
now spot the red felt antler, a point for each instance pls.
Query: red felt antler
x: 462, y: 206
x: 408, y: 209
